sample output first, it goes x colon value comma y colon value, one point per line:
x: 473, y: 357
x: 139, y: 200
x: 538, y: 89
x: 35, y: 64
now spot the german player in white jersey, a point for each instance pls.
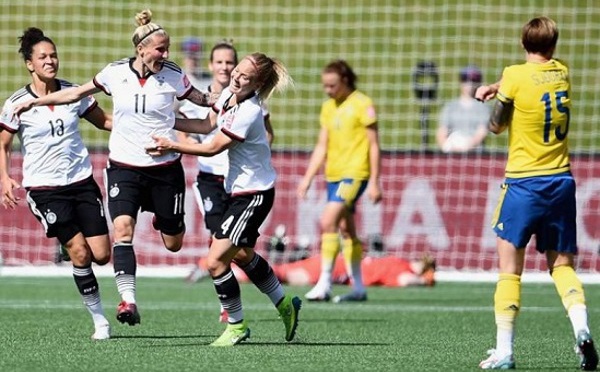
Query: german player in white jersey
x: 143, y: 89
x: 250, y: 183
x: 57, y: 171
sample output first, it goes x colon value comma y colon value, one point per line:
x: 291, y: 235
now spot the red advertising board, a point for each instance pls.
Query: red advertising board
x: 432, y: 203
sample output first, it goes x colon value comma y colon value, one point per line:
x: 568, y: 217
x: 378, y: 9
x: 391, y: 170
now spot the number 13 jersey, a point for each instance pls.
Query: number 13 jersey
x: 53, y: 152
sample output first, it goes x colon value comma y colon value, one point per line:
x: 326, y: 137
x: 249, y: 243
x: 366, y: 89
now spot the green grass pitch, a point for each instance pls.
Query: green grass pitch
x: 44, y: 327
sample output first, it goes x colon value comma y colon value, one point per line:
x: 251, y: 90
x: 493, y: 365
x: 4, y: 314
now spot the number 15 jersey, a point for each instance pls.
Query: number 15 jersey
x: 537, y: 133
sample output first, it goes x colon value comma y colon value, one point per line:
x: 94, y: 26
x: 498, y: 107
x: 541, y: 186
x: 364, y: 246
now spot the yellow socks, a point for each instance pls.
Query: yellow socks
x: 353, y: 252
x: 507, y: 303
x: 330, y: 246
x: 571, y: 293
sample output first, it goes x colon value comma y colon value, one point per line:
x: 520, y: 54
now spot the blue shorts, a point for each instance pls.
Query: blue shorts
x: 346, y: 191
x: 544, y: 206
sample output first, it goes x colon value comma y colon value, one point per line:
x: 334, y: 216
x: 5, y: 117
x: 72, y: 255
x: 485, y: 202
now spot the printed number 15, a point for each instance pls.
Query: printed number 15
x: 548, y: 115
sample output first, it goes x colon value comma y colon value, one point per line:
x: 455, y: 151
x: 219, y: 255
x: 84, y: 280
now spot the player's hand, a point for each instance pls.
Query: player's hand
x: 303, y: 188
x: 21, y: 108
x: 486, y: 92
x: 213, y: 98
x: 374, y: 192
x: 9, y: 199
x: 162, y: 145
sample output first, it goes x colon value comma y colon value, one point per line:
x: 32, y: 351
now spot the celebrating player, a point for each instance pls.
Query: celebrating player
x: 538, y: 194
x: 143, y: 89
x: 349, y: 143
x: 250, y: 184
x: 57, y: 171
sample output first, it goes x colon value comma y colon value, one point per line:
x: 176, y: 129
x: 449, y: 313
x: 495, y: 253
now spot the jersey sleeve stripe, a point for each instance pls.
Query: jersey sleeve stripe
x: 232, y: 136
x: 101, y: 87
x: 90, y: 109
x: 186, y: 94
x: 7, y: 128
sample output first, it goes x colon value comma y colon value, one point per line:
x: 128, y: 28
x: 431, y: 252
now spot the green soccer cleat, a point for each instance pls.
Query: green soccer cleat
x: 288, y: 311
x: 233, y: 335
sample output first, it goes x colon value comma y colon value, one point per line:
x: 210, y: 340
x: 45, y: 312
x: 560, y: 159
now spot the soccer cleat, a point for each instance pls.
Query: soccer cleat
x: 233, y: 335
x: 128, y: 313
x: 223, y: 316
x: 102, y: 332
x: 196, y: 275
x: 351, y: 297
x: 495, y: 362
x: 318, y: 294
x: 62, y: 255
x: 588, y: 357
x: 288, y: 311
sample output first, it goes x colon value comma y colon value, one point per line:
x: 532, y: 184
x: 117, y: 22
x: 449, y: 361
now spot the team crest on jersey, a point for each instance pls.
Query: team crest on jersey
x: 50, y: 217
x: 208, y: 205
x: 114, y: 191
x: 160, y: 80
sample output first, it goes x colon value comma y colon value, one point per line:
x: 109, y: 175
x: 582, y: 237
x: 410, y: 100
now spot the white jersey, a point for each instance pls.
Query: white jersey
x: 250, y: 167
x: 142, y: 107
x: 53, y: 151
x: 217, y: 164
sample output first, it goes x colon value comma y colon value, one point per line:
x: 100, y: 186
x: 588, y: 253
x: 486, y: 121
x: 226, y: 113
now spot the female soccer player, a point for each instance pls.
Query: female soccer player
x: 349, y: 144
x: 143, y: 89
x: 57, y: 171
x: 538, y: 195
x: 250, y: 183
x: 209, y: 188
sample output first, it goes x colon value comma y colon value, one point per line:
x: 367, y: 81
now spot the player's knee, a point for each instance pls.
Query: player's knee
x: 215, y: 266
x: 101, y: 257
x: 123, y: 228
x: 79, y: 253
x: 173, y: 243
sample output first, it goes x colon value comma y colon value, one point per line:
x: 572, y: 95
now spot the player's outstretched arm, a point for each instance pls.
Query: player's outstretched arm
x: 7, y: 184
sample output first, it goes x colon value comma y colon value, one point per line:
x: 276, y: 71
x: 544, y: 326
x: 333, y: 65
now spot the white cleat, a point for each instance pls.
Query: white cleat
x: 102, y: 332
x: 318, y: 294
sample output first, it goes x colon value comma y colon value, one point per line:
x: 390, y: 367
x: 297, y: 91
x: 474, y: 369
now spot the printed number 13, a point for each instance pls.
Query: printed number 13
x: 548, y: 115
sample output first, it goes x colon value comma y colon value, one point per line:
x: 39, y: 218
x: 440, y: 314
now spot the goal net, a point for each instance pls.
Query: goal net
x: 433, y: 202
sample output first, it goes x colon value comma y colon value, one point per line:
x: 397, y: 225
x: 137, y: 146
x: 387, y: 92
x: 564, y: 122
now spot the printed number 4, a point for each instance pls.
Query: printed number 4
x: 548, y: 115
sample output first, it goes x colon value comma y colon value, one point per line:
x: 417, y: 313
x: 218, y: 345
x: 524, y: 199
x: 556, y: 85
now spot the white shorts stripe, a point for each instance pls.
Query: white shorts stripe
x: 242, y: 222
x: 36, y: 211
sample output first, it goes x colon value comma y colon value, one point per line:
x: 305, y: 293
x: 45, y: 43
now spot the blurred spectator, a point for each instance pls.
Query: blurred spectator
x: 463, y: 121
x: 192, y: 49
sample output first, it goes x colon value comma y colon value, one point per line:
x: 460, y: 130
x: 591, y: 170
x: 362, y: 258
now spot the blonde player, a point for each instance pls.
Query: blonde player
x: 538, y: 195
x: 143, y: 89
x: 348, y: 143
x: 250, y: 184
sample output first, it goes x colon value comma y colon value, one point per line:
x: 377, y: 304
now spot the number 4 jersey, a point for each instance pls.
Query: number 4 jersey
x: 53, y: 151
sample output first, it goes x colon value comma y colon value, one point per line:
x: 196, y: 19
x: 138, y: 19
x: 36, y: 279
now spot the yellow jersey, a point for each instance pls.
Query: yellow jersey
x: 537, y: 132
x: 348, y: 146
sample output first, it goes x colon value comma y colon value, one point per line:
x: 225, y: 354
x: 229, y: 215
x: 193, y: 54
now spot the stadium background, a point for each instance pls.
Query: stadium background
x: 433, y: 202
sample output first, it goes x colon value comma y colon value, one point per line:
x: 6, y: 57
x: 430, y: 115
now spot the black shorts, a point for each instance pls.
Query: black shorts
x: 212, y: 199
x: 243, y: 217
x: 159, y: 189
x: 65, y: 211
